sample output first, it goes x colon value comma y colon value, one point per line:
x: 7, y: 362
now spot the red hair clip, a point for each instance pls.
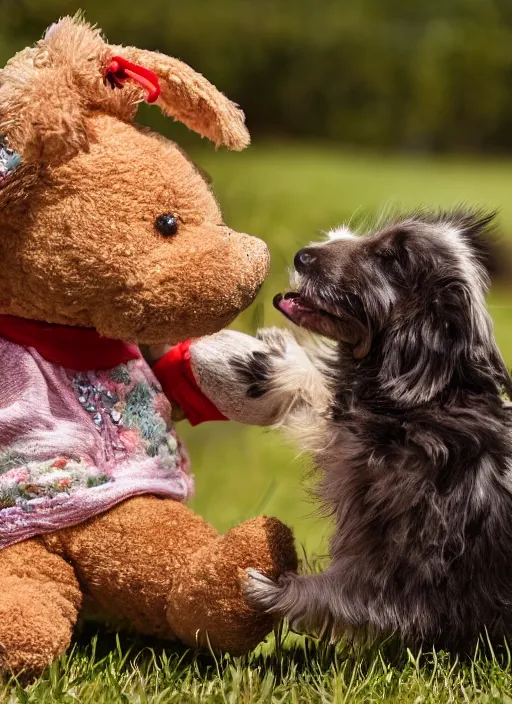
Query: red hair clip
x: 120, y: 70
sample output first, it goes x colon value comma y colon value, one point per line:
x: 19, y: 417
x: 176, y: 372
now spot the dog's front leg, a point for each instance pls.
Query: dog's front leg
x: 260, y: 380
x: 310, y: 602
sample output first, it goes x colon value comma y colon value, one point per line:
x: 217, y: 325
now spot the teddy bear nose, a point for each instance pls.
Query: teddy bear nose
x: 304, y: 259
x: 167, y: 224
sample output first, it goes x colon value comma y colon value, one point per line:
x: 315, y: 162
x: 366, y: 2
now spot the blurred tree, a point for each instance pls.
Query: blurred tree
x: 433, y: 75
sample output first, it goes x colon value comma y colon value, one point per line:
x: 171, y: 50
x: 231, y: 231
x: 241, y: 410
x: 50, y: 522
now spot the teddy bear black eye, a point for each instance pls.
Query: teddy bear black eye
x: 167, y: 224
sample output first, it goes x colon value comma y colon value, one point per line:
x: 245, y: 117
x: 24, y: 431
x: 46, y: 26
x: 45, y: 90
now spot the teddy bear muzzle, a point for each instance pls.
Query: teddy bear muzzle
x: 221, y: 281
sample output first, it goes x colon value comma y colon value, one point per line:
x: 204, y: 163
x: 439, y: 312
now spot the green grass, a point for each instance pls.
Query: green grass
x: 288, y: 195
x: 303, y: 672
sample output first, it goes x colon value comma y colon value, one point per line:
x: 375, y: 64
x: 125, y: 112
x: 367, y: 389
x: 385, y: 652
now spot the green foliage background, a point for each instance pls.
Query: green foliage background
x: 407, y: 74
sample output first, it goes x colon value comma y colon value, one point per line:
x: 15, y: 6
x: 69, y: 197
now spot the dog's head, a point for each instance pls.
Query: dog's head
x: 409, y: 297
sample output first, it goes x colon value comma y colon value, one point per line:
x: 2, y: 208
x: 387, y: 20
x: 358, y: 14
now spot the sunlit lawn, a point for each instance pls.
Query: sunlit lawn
x: 288, y: 195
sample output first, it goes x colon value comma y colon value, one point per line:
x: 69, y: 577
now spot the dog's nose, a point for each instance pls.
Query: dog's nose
x: 304, y: 259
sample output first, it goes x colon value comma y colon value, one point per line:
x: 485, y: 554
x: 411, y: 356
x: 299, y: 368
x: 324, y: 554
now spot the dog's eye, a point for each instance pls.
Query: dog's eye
x: 167, y: 224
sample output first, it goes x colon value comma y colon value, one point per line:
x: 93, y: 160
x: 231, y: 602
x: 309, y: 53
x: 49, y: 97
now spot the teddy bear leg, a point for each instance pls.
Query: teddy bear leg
x: 128, y: 558
x: 158, y: 567
x: 206, y: 605
x: 39, y: 603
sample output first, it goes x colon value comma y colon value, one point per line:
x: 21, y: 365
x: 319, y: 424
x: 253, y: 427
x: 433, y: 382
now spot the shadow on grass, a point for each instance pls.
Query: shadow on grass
x: 282, y: 654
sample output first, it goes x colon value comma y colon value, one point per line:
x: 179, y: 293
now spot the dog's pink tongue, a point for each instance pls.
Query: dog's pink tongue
x: 288, y: 306
x: 292, y: 305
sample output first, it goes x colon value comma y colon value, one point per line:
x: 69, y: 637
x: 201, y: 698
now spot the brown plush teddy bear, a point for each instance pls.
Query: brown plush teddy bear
x: 110, y: 236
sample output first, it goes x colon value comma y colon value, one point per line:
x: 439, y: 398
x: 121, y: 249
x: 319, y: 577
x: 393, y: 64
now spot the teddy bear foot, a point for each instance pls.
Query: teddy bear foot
x: 39, y: 602
x: 207, y: 607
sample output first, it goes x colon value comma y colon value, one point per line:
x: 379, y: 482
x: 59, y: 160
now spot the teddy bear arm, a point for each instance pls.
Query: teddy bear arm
x: 39, y: 603
x: 263, y: 380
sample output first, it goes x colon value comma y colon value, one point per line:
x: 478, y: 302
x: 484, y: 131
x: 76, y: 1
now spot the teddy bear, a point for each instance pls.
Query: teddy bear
x: 112, y: 239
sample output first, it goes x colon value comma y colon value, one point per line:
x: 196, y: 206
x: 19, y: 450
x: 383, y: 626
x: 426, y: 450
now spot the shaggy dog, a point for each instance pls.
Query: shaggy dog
x: 409, y: 422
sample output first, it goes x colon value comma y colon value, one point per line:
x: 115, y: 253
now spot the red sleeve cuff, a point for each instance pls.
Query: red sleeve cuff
x: 174, y: 372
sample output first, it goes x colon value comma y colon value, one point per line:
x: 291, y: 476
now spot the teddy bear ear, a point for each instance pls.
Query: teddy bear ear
x: 185, y: 95
x: 41, y: 111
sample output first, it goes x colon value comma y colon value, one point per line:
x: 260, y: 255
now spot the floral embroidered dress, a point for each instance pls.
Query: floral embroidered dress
x: 76, y: 436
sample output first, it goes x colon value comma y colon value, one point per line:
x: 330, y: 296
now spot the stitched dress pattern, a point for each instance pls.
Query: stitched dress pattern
x: 73, y: 444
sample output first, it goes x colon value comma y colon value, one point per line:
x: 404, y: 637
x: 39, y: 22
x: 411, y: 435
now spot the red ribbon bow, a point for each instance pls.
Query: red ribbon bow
x: 120, y: 70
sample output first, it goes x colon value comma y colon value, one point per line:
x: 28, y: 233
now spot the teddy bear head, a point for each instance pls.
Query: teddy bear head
x: 105, y: 224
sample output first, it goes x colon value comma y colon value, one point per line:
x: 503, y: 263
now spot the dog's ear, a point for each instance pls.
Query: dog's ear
x: 188, y: 97
x: 474, y: 226
x: 444, y: 337
x: 481, y: 233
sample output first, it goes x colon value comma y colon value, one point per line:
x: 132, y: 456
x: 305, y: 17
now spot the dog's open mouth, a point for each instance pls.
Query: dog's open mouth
x: 307, y: 314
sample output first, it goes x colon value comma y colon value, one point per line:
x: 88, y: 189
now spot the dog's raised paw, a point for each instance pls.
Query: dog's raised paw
x: 255, y: 371
x: 259, y: 369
